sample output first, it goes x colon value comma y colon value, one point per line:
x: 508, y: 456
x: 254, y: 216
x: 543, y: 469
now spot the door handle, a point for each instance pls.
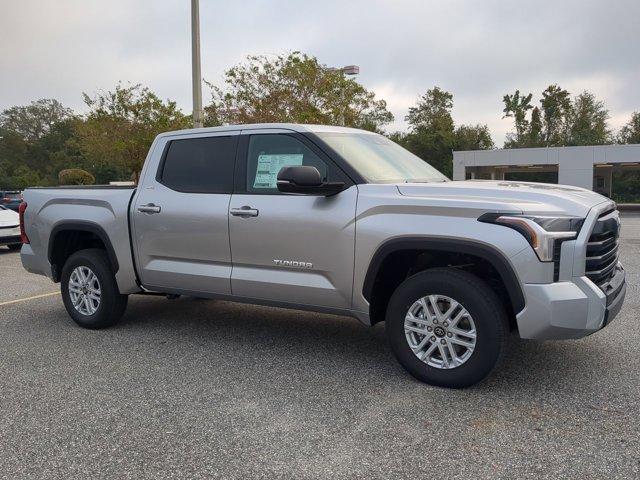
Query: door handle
x: 244, y: 212
x: 149, y: 208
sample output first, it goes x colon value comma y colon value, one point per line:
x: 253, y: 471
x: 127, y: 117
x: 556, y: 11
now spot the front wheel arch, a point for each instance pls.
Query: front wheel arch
x: 409, y: 249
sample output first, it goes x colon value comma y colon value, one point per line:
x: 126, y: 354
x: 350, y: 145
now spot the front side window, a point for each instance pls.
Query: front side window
x: 200, y: 165
x: 268, y: 153
x: 379, y: 160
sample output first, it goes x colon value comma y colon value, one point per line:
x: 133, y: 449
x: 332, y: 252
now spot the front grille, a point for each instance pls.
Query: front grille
x: 602, y: 249
x: 557, y: 248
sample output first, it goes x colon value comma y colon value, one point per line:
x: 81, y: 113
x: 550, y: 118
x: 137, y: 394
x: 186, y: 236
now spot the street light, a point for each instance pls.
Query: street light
x: 350, y: 70
x: 196, y: 75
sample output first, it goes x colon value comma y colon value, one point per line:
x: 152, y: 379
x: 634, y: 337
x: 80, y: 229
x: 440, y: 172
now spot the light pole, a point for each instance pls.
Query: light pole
x: 349, y: 70
x: 195, y: 64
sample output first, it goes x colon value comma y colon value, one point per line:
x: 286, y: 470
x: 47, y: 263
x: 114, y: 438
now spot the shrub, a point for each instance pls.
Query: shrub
x: 75, y: 176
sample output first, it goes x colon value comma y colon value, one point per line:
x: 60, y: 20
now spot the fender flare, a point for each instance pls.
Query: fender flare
x: 487, y: 252
x: 82, y: 226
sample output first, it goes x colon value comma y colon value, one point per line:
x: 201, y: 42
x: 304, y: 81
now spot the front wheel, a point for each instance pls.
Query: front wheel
x: 446, y: 327
x: 89, y: 290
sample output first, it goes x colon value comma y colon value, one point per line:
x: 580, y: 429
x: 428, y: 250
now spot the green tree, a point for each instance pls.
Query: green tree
x: 432, y: 112
x: 35, y: 120
x: 517, y: 106
x: 18, y: 178
x: 588, y: 121
x: 293, y: 88
x: 432, y: 132
x: 31, y: 136
x: 556, y: 108
x: 121, y: 125
x: 630, y: 132
x: 431, y: 129
x: 626, y: 184
x: 561, y: 121
x: 13, y: 149
x: 534, y: 137
x: 472, y: 137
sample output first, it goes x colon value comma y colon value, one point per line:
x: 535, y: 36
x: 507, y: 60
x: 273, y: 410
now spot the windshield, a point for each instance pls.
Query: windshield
x: 379, y: 160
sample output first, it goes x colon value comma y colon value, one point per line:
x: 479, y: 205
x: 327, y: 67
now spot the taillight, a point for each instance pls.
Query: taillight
x: 23, y: 234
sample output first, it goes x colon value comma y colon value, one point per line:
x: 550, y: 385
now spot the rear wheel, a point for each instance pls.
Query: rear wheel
x: 446, y: 327
x: 89, y: 290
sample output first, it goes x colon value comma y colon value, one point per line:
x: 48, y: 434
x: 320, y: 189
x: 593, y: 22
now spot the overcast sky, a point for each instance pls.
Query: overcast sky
x: 478, y: 50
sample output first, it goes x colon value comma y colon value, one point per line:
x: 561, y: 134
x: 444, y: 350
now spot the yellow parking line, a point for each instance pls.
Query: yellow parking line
x: 29, y: 298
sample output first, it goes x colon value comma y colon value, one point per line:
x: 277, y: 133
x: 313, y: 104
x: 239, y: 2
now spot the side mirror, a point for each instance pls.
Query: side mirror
x: 306, y: 180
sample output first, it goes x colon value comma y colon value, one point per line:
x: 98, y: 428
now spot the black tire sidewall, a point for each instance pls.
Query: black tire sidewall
x: 481, y: 303
x: 97, y: 261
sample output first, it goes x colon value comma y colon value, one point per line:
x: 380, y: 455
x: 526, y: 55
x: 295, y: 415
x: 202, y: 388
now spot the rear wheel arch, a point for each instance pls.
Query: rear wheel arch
x: 397, y: 259
x: 69, y: 237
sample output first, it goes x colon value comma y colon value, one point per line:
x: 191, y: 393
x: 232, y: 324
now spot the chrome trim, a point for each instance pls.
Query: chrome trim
x: 580, y: 244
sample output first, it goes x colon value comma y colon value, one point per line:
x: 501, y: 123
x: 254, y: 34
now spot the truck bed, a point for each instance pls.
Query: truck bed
x: 100, y: 209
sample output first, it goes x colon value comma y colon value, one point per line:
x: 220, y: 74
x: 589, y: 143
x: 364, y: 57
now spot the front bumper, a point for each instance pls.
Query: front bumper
x: 570, y: 309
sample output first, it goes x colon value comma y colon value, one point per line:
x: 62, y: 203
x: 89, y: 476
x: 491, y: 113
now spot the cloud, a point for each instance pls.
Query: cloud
x: 477, y: 50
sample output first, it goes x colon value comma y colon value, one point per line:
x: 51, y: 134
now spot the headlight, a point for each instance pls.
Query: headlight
x: 541, y: 232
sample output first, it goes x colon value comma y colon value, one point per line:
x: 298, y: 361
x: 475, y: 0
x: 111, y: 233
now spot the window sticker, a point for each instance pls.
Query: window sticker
x: 269, y: 166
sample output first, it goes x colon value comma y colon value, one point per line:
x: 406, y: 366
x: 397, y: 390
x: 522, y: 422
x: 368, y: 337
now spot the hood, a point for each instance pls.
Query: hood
x: 504, y: 196
x: 8, y: 218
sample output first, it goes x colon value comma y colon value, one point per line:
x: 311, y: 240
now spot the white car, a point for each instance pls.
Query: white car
x: 9, y: 228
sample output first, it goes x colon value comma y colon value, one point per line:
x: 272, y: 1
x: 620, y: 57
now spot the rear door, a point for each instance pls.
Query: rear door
x: 180, y: 215
x: 294, y: 249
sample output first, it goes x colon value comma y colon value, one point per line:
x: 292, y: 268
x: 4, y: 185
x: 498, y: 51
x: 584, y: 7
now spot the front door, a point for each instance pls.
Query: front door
x: 294, y: 249
x: 180, y: 217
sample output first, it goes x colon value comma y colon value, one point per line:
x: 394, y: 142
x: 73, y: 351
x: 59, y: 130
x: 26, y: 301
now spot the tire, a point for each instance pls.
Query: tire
x: 486, y: 317
x: 111, y: 305
x: 14, y: 246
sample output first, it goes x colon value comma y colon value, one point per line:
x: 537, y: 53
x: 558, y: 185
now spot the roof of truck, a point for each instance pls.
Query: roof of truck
x: 295, y: 127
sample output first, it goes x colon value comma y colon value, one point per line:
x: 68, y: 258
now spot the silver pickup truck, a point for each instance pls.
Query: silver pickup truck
x: 341, y: 221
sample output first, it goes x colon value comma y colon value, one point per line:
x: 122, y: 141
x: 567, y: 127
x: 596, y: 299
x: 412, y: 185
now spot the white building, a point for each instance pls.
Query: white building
x: 589, y: 167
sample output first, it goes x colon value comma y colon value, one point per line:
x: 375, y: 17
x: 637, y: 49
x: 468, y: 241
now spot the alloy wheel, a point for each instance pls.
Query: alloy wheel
x: 84, y: 290
x: 440, y: 331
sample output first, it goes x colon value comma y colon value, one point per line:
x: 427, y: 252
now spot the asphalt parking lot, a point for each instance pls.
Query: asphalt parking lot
x: 209, y: 389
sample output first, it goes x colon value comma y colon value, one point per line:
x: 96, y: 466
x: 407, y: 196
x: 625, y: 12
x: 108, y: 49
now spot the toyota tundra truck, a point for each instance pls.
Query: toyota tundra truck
x: 341, y: 221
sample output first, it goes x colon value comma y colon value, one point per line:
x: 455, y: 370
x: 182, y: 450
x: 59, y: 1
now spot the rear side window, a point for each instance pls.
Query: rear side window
x: 200, y: 165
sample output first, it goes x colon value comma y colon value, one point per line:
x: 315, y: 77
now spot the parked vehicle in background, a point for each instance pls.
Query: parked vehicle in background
x: 336, y: 220
x: 10, y: 199
x: 9, y: 228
